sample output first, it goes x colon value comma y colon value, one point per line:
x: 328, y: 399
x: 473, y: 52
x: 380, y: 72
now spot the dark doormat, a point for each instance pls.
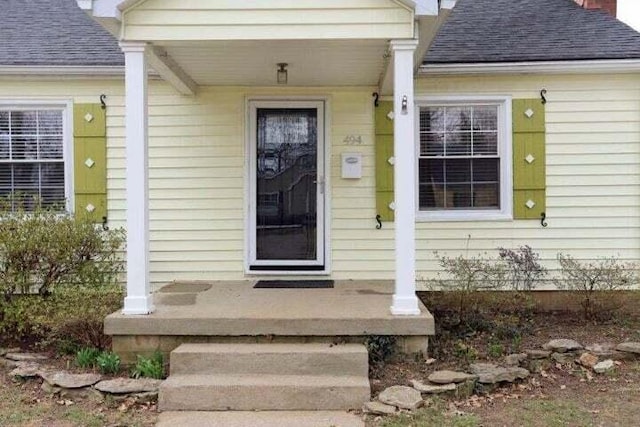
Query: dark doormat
x: 294, y: 284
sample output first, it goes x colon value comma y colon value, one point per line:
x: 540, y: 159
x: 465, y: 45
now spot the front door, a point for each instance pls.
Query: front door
x: 287, y: 186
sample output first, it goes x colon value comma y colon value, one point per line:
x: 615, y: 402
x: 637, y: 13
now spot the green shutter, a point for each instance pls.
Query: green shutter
x: 384, y: 168
x: 90, y: 161
x: 529, y: 159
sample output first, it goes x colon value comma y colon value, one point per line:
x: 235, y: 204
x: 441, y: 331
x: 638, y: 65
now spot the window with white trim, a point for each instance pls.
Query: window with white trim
x: 463, y: 160
x: 32, y: 160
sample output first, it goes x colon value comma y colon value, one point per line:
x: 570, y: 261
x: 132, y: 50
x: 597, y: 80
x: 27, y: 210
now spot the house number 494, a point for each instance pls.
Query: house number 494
x: 353, y: 140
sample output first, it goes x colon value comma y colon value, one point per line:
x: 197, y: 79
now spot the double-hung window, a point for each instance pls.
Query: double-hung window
x: 464, y: 160
x: 32, y: 156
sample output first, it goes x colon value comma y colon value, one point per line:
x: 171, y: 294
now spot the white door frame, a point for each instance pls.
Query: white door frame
x: 253, y: 265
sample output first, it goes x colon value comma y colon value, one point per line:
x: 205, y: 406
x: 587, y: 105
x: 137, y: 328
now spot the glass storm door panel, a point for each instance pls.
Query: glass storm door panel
x: 286, y: 187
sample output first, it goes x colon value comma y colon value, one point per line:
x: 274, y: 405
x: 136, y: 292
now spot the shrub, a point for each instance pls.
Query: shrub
x: 596, y: 282
x: 465, y: 277
x: 524, y: 267
x: 381, y: 348
x: 43, y: 249
x: 149, y: 367
x: 108, y: 363
x: 86, y: 357
x: 68, y: 319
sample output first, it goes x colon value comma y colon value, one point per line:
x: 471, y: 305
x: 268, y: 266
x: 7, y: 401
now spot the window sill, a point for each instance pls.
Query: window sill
x: 460, y: 216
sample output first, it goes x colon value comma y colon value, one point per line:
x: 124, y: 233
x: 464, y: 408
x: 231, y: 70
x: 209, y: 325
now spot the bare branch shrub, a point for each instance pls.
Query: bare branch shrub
x: 524, y: 267
x: 596, y: 283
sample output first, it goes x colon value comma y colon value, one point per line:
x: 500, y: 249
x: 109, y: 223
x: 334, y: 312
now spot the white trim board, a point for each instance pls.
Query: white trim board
x: 542, y: 67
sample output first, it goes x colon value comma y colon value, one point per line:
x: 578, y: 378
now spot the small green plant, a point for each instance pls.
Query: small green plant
x: 86, y: 357
x: 495, y: 350
x: 465, y: 352
x: 516, y: 343
x: 596, y: 283
x: 149, y: 367
x: 381, y: 348
x: 108, y: 362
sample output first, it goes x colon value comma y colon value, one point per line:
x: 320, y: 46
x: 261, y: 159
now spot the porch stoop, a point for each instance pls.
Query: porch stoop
x: 266, y: 377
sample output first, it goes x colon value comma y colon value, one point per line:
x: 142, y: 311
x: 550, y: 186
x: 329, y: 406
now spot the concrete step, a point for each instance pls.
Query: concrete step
x: 259, y: 419
x: 263, y: 392
x: 285, y: 359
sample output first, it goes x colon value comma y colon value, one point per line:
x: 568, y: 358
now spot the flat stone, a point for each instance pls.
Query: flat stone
x: 515, y: 359
x: 4, y: 351
x: 26, y: 357
x: 401, y: 396
x: 68, y: 380
x: 538, y: 354
x: 432, y: 388
x: 537, y: 365
x: 563, y: 358
x: 488, y: 373
x: 562, y: 345
x: 26, y: 370
x: 588, y: 360
x: 448, y: 377
x: 629, y: 347
x: 48, y: 388
x: 604, y: 366
x: 128, y: 385
x: 378, y: 408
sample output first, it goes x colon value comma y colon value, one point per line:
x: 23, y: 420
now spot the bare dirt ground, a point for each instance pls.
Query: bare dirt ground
x: 563, y: 395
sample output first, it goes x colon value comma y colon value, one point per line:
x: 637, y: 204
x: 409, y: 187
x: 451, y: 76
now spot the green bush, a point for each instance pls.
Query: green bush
x: 381, y: 348
x: 86, y: 357
x: 68, y: 319
x: 58, y: 278
x: 108, y: 362
x: 43, y: 249
x: 149, y: 367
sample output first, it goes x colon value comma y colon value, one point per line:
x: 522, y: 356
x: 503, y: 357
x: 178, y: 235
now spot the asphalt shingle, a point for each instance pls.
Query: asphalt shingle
x: 53, y: 32
x: 481, y: 31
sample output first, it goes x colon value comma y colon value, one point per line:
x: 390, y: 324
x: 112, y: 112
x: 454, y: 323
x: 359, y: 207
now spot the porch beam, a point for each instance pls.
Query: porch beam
x: 138, y: 299
x: 405, y: 301
x: 170, y: 71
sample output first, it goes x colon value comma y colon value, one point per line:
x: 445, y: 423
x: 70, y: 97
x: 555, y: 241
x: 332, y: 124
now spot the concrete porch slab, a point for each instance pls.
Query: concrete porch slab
x: 235, y: 312
x: 235, y: 308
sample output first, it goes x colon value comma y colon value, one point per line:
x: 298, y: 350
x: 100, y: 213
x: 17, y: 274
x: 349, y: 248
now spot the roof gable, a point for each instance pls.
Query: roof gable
x: 481, y: 31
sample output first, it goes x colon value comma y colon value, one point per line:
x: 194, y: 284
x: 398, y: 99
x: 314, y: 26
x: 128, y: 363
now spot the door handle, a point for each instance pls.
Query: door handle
x: 321, y: 184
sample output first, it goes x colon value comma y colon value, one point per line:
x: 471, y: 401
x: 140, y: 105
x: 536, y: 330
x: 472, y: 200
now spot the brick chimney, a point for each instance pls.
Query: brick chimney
x: 609, y: 6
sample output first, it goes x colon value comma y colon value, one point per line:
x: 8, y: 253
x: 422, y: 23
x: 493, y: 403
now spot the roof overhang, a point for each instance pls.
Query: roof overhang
x: 539, y: 67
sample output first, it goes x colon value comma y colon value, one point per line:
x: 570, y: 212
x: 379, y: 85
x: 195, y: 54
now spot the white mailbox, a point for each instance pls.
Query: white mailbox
x: 351, y: 165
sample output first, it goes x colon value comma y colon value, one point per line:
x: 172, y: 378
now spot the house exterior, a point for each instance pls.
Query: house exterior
x: 242, y: 141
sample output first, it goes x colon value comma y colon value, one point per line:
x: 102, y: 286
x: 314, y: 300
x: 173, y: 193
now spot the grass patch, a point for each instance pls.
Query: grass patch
x: 435, y: 414
x: 547, y: 413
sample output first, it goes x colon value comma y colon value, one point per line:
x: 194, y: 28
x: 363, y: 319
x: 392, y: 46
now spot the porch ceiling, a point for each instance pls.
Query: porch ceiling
x: 311, y: 62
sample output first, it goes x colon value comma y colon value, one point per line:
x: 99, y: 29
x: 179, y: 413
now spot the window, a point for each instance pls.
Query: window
x: 32, y: 166
x: 463, y: 160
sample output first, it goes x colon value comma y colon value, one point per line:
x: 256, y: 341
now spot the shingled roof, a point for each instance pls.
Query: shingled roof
x: 53, y: 32
x: 489, y: 31
x: 57, y: 32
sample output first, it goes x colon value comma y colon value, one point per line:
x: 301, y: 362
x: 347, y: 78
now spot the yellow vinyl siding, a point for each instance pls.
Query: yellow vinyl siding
x: 592, y: 170
x: 267, y: 20
x: 197, y: 174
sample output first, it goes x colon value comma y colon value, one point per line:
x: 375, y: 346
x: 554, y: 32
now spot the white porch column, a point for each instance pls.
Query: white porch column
x: 405, y: 301
x: 138, y: 299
